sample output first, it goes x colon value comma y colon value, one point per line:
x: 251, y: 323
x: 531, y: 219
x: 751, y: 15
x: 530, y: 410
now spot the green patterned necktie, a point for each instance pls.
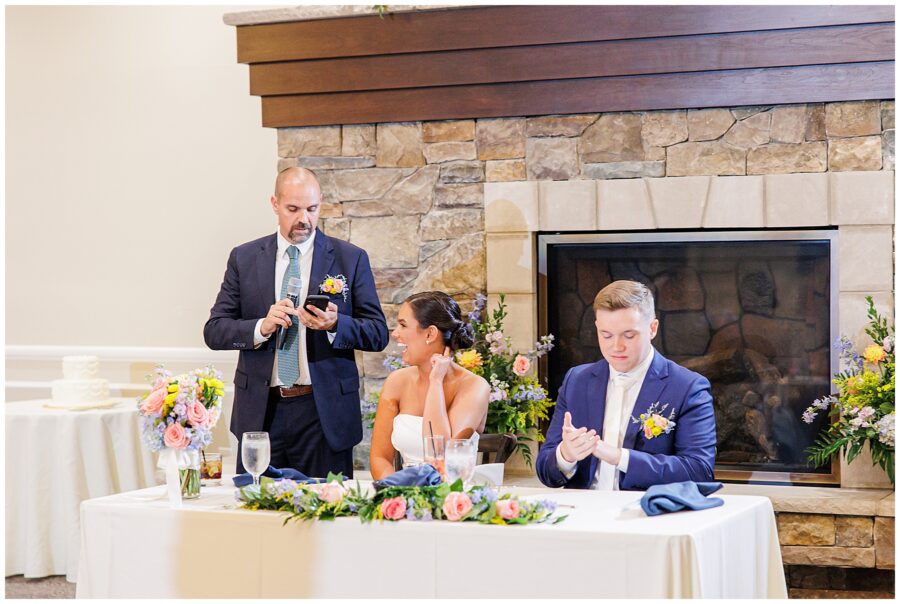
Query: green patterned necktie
x: 289, y: 356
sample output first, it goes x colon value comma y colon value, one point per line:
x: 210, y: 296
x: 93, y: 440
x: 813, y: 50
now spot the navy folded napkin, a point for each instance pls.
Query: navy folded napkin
x: 677, y: 496
x: 242, y: 480
x: 417, y: 476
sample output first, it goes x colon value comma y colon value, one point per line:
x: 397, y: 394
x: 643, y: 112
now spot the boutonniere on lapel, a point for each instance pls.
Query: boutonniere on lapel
x: 334, y: 285
x: 654, y: 422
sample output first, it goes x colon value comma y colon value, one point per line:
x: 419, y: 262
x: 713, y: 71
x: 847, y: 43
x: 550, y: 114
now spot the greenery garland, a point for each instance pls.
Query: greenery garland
x: 332, y: 499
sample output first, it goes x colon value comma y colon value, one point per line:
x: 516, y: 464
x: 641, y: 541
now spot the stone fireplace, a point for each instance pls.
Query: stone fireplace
x: 855, y: 209
x: 465, y: 200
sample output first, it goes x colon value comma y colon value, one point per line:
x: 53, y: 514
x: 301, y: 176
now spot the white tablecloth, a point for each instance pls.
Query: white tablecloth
x: 54, y: 460
x: 134, y: 545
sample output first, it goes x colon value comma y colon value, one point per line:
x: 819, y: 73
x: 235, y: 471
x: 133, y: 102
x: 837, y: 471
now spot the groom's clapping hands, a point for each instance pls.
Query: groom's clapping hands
x: 577, y: 443
x: 608, y: 453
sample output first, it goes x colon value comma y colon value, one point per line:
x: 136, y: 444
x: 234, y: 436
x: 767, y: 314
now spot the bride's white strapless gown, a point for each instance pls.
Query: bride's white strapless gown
x: 406, y: 437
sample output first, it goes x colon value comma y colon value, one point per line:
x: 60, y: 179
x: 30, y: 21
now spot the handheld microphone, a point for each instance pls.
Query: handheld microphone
x: 293, y: 294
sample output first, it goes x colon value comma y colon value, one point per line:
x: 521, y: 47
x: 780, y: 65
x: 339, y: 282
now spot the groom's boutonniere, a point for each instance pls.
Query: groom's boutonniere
x: 334, y: 285
x: 654, y: 422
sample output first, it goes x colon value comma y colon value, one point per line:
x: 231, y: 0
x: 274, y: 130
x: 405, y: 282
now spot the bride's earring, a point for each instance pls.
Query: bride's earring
x: 427, y: 342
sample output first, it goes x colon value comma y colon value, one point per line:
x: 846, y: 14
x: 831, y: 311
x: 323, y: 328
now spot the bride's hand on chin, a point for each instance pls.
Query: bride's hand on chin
x: 440, y: 365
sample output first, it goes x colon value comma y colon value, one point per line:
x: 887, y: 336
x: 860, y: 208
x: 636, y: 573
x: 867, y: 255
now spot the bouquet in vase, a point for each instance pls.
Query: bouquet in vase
x: 862, y: 411
x: 177, y: 417
x: 518, y: 401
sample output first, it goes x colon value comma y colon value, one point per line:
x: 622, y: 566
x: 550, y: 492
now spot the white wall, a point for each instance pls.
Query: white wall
x: 135, y: 160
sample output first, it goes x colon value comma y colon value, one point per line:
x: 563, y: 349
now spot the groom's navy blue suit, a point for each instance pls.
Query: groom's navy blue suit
x: 247, y: 292
x: 686, y: 453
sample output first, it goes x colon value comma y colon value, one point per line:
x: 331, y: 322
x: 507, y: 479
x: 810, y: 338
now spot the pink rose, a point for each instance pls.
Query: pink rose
x: 338, y: 286
x: 333, y: 491
x: 456, y: 505
x: 393, y: 508
x: 154, y: 402
x: 648, y: 432
x: 197, y: 414
x: 175, y: 437
x: 660, y: 421
x: 508, y: 508
x: 521, y: 365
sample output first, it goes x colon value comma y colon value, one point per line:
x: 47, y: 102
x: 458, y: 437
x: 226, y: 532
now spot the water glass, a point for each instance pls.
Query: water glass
x: 433, y: 447
x: 460, y: 456
x: 255, y: 453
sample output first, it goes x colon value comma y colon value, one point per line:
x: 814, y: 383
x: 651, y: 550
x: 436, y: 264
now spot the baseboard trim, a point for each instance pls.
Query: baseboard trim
x: 38, y: 385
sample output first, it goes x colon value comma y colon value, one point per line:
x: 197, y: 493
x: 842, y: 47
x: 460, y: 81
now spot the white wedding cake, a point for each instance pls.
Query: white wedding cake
x: 80, y: 384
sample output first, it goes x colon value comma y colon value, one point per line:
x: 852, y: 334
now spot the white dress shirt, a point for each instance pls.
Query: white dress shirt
x: 282, y: 260
x: 612, y: 390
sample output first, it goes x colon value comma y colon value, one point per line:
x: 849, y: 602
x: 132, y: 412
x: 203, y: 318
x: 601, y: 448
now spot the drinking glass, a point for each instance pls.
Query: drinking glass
x: 210, y: 469
x: 433, y: 447
x: 255, y: 453
x: 459, y: 457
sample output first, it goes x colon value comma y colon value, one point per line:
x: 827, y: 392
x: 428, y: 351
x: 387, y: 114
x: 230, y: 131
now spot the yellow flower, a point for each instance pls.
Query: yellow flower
x: 468, y: 359
x: 656, y: 430
x: 173, y: 388
x: 874, y: 354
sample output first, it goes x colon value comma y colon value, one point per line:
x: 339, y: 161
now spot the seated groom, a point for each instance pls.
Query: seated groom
x: 609, y: 397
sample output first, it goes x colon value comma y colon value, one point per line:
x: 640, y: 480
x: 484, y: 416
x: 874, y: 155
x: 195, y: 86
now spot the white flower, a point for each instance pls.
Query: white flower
x: 885, y: 427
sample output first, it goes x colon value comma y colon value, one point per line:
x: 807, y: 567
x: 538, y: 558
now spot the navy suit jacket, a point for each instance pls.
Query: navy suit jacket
x: 247, y: 292
x: 688, y: 452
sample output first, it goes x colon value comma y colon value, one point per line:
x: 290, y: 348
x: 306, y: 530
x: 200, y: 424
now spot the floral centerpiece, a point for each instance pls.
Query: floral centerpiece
x: 862, y: 411
x: 177, y: 417
x: 518, y: 401
x: 332, y: 499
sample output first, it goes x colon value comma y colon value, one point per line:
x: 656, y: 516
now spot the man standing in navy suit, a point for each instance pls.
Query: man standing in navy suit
x: 305, y: 394
x: 634, y: 419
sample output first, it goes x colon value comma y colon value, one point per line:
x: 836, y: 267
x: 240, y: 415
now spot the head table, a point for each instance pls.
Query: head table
x: 55, y: 459
x: 135, y: 545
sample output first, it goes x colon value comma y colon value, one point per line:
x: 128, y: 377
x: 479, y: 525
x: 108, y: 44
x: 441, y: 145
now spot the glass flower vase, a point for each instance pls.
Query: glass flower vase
x: 190, y: 483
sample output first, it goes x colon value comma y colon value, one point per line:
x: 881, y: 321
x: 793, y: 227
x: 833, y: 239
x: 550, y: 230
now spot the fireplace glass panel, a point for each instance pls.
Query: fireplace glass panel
x: 754, y: 317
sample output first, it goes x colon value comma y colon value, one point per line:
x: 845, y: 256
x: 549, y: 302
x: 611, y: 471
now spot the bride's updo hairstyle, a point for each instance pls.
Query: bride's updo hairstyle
x: 442, y: 311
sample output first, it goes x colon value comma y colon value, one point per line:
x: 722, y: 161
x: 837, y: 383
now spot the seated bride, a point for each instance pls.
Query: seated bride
x: 433, y: 394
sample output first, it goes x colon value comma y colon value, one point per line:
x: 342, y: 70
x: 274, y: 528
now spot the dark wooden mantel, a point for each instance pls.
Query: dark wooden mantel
x: 537, y: 60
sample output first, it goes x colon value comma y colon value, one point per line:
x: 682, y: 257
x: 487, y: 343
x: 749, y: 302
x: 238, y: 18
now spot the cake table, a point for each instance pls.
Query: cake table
x: 55, y: 459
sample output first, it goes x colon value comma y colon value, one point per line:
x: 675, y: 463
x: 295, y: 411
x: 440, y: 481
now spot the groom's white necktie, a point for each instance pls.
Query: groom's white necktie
x: 612, y: 425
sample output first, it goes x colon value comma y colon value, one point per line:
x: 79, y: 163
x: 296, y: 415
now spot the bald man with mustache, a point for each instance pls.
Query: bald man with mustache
x: 305, y: 394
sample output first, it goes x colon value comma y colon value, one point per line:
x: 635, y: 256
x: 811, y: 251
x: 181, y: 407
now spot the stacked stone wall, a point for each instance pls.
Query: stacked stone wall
x: 412, y: 194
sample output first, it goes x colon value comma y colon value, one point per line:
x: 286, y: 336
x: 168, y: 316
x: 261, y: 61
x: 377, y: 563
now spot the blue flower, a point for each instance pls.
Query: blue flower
x: 482, y: 493
x: 478, y: 306
x: 548, y: 504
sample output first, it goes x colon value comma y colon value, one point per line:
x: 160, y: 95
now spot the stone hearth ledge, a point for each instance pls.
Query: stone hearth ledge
x: 312, y: 12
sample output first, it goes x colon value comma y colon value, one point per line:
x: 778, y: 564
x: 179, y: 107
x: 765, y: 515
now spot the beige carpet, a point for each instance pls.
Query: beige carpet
x: 18, y: 586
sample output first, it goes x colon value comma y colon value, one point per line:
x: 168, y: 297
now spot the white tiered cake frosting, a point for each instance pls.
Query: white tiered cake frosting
x: 80, y: 383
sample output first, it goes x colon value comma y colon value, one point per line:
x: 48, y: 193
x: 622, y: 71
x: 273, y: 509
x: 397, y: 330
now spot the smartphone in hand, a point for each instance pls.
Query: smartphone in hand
x: 317, y: 300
